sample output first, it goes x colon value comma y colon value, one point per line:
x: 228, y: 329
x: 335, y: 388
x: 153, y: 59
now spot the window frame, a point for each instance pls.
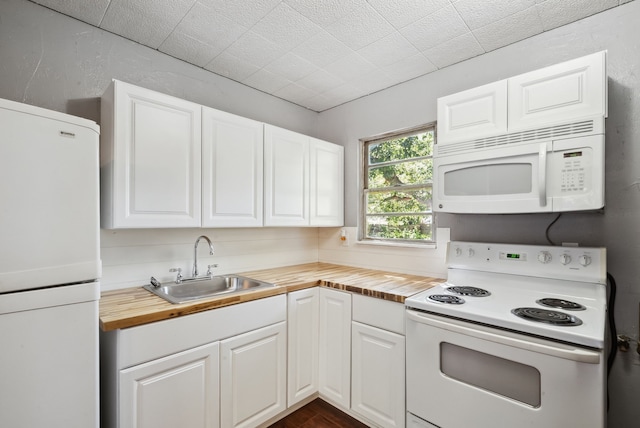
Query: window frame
x: 364, y: 190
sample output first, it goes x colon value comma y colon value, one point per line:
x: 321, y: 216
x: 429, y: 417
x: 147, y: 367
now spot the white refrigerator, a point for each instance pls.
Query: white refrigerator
x: 49, y: 268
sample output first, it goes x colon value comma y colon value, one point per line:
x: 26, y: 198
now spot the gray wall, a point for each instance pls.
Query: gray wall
x: 56, y: 62
x: 618, y: 227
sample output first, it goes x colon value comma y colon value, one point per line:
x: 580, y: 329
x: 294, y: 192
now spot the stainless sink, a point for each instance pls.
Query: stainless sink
x: 194, y: 289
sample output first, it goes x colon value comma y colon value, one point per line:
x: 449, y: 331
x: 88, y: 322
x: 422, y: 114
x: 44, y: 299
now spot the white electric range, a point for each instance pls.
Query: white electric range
x: 516, y: 330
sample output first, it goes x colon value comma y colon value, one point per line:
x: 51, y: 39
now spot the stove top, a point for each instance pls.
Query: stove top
x: 539, y: 290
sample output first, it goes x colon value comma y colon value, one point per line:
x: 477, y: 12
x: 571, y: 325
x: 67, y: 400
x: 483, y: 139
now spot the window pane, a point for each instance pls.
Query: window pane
x: 415, y: 200
x: 415, y: 172
x: 414, y: 227
x: 401, y: 148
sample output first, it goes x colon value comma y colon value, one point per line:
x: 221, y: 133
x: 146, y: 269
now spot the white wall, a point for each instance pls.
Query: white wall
x: 618, y: 228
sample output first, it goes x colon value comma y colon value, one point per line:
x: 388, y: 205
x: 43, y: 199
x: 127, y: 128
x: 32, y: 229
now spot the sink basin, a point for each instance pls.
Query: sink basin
x: 204, y: 288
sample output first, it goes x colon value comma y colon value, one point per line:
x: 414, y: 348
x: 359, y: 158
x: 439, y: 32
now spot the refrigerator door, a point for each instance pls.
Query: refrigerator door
x: 49, y: 191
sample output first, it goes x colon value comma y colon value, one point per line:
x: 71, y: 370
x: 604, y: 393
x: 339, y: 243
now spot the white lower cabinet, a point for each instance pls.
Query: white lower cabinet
x: 253, y: 376
x: 335, y: 346
x: 177, y: 390
x: 377, y: 375
x: 302, y: 350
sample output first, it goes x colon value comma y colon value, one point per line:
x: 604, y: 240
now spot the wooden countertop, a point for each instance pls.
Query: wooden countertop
x: 136, y: 306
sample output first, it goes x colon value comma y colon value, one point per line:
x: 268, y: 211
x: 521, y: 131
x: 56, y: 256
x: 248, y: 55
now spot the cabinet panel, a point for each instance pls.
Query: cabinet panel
x: 150, y: 159
x: 559, y: 93
x: 253, y: 376
x: 178, y: 390
x: 335, y: 346
x: 474, y: 113
x: 232, y: 170
x: 326, y: 183
x: 286, y: 178
x: 378, y: 370
x: 304, y: 311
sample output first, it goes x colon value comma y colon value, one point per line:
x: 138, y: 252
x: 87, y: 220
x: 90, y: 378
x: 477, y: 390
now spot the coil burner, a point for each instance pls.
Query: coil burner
x: 547, y: 316
x: 561, y: 304
x: 468, y: 291
x: 447, y: 298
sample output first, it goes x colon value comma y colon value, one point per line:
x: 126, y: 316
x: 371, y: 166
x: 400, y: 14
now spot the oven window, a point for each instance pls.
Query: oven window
x: 486, y: 180
x: 498, y: 375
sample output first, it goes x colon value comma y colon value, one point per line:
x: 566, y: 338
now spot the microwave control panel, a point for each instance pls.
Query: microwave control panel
x: 573, y: 170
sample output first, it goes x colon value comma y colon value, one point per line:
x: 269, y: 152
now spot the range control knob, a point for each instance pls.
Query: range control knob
x: 565, y: 259
x: 458, y: 251
x: 470, y: 252
x: 544, y: 257
x: 584, y: 260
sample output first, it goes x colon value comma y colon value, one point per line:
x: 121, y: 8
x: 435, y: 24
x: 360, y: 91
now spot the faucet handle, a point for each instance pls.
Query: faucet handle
x: 209, y: 273
x: 178, y: 276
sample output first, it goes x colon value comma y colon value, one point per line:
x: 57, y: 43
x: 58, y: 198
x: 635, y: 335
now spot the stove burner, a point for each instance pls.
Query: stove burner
x: 468, y: 291
x: 446, y: 298
x: 561, y: 304
x: 547, y: 316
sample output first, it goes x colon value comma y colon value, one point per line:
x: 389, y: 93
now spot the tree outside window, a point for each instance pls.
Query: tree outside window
x: 398, y: 177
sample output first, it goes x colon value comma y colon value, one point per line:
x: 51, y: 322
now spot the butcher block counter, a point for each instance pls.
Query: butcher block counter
x: 136, y: 306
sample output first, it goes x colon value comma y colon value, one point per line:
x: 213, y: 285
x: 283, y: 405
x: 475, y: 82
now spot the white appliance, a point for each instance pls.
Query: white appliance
x: 552, y: 169
x: 514, y: 337
x: 49, y: 268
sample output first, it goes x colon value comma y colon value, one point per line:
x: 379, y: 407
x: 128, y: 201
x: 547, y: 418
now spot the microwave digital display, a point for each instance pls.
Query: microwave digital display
x: 572, y: 154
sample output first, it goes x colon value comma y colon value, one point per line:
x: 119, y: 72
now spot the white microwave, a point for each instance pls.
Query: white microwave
x: 553, y: 169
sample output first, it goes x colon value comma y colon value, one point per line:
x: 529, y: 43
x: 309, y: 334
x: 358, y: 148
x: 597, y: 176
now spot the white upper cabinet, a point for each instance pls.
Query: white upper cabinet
x: 150, y: 159
x: 478, y: 112
x: 304, y: 179
x: 558, y: 94
x: 326, y: 204
x: 232, y: 170
x: 553, y: 95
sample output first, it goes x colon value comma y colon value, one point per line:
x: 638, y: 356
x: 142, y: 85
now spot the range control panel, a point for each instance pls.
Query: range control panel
x: 569, y: 263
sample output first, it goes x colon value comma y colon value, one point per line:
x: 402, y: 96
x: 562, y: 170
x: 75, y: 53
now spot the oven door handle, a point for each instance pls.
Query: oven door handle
x: 565, y: 351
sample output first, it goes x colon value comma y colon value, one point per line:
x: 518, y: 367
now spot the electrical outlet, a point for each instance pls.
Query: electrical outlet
x: 344, y: 238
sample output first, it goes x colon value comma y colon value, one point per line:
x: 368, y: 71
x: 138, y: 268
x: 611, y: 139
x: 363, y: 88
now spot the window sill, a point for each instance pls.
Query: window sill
x: 396, y: 244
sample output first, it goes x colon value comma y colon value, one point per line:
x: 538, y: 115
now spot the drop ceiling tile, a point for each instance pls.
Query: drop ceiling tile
x: 243, y: 12
x: 210, y: 27
x: 232, y: 67
x: 295, y: 93
x: 478, y: 13
x: 255, y: 49
x: 509, y: 30
x: 349, y: 67
x: 266, y: 81
x: 291, y: 66
x: 319, y: 103
x: 373, y: 81
x: 555, y: 13
x: 89, y: 11
x: 320, y: 81
x: 285, y: 27
x: 454, y: 51
x: 410, y: 68
x: 388, y: 50
x: 322, y: 49
x: 433, y: 30
x: 188, y: 49
x: 325, y: 12
x: 362, y: 26
x: 401, y: 13
x: 147, y: 22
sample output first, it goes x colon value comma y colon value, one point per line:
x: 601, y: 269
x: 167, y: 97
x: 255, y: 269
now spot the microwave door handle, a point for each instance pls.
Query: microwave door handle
x: 542, y: 174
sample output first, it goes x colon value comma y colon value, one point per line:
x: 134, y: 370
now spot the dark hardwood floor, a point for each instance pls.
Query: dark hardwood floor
x: 318, y: 414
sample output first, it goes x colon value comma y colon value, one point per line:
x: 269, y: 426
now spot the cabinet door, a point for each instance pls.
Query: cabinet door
x: 253, y: 376
x: 378, y: 375
x: 180, y: 390
x: 153, y: 154
x: 302, y: 370
x: 232, y: 170
x: 326, y: 183
x: 286, y: 171
x: 335, y: 346
x: 476, y: 113
x: 563, y: 92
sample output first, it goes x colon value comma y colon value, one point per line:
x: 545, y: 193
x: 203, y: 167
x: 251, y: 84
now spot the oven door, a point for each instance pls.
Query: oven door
x: 462, y: 375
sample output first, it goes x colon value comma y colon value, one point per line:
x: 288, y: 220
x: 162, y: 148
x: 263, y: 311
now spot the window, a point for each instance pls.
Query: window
x: 397, y: 187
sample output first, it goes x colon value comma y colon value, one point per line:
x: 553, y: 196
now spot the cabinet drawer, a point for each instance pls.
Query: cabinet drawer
x: 379, y: 313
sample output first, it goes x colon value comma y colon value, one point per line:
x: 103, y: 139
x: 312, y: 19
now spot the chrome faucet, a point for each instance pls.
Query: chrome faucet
x: 195, y: 254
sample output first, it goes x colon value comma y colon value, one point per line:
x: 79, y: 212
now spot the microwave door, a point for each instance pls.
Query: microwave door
x: 504, y: 180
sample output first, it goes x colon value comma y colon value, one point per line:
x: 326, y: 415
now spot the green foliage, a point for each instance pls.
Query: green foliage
x: 407, y: 169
